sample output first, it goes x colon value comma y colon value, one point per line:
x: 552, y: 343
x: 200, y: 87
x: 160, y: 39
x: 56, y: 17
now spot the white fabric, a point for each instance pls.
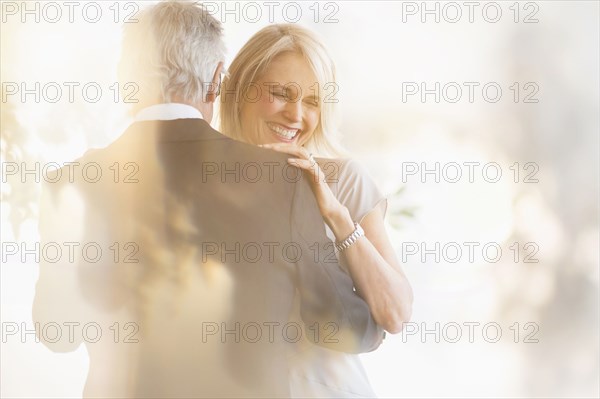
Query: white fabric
x: 314, y: 371
x: 168, y: 112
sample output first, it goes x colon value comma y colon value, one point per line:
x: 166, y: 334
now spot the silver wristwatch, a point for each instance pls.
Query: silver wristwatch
x: 351, y: 239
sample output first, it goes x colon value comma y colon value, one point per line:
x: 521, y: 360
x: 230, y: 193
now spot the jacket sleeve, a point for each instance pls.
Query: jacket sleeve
x: 335, y: 316
x: 57, y: 307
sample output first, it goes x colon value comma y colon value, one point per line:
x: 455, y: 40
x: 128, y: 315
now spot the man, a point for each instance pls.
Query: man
x: 203, y: 240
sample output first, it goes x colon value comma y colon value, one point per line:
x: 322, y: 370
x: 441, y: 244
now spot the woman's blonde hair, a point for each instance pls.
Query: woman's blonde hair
x: 253, y: 60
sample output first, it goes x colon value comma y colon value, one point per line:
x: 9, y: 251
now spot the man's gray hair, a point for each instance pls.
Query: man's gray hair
x: 171, y: 52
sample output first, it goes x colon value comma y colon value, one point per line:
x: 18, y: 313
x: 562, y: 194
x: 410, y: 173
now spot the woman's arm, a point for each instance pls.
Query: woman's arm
x: 374, y: 268
x: 371, y: 260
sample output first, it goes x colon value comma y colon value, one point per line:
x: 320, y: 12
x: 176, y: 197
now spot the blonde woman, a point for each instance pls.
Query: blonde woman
x: 274, y: 96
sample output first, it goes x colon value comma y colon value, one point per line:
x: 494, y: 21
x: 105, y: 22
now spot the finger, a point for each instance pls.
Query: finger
x: 301, y: 163
x: 307, y: 165
x: 299, y: 152
x: 280, y: 146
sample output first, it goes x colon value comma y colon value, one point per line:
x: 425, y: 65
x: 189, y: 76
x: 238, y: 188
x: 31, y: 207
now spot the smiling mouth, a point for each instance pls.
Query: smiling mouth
x: 282, y: 132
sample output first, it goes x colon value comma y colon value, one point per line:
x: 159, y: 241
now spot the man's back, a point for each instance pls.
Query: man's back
x: 212, y: 237
x: 189, y: 266
x: 225, y: 221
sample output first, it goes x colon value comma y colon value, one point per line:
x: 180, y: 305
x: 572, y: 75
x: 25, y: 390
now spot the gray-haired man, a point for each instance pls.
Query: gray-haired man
x: 205, y: 258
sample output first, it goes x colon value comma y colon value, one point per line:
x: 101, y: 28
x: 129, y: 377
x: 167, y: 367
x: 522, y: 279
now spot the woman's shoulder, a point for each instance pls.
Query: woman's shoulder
x: 352, y: 184
x: 342, y: 169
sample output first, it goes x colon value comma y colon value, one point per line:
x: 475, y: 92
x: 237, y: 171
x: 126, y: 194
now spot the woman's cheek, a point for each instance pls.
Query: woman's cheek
x: 249, y: 123
x: 268, y: 105
x: 314, y: 119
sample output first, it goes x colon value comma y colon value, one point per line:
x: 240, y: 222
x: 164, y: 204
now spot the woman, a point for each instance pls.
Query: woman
x: 278, y: 94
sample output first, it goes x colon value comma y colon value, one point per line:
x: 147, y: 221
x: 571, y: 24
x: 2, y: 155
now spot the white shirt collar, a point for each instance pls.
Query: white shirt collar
x: 167, y: 112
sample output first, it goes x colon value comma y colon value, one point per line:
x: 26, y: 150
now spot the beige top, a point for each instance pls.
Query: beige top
x: 316, y: 371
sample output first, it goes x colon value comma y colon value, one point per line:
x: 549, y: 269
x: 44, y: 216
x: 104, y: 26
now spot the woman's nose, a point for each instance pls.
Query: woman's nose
x: 293, y: 111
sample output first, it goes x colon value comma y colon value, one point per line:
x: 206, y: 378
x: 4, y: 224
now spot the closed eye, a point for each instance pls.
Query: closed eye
x: 313, y: 101
x: 278, y: 94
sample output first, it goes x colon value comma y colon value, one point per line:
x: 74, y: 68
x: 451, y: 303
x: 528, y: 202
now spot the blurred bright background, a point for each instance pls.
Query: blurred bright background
x: 546, y: 128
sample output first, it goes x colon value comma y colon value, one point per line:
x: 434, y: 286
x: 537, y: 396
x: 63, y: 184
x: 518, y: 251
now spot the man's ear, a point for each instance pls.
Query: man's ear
x: 214, y: 87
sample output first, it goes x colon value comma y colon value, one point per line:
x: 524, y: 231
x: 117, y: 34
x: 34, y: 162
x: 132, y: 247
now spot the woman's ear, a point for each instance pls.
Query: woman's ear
x: 215, y: 85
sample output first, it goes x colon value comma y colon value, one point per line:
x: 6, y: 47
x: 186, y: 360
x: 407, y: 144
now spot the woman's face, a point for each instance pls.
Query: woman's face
x: 283, y: 105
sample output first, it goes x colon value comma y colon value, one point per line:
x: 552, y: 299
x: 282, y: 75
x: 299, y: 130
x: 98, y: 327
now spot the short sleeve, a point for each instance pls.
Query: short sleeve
x: 354, y: 187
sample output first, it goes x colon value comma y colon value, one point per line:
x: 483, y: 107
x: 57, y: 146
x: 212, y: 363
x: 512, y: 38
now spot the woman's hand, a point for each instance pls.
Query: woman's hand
x: 334, y: 213
x: 372, y: 262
